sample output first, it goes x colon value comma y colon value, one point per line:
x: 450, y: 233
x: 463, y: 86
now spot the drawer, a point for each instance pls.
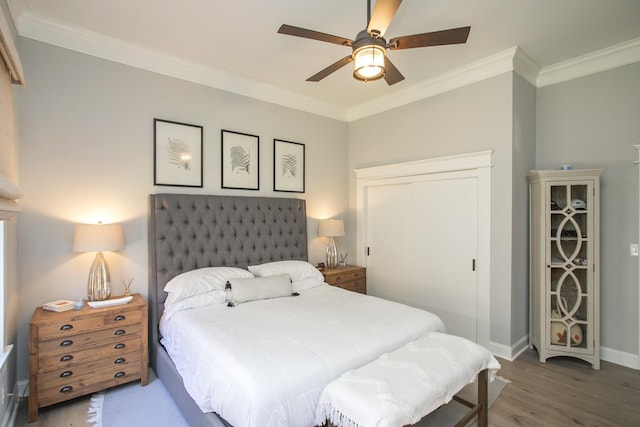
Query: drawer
x: 347, y: 276
x: 53, y: 361
x: 60, y: 377
x: 68, y: 327
x: 90, y: 339
x: 354, y: 285
x: 89, y: 384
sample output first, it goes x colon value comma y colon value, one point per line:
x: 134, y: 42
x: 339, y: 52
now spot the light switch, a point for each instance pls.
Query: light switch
x: 634, y: 250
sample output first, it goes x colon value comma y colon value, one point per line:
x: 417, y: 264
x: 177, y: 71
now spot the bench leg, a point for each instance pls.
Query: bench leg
x: 480, y: 409
x: 483, y: 398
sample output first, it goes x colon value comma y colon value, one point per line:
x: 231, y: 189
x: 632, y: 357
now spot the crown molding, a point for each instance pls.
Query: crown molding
x: 483, y: 69
x: 90, y: 43
x: 595, y: 62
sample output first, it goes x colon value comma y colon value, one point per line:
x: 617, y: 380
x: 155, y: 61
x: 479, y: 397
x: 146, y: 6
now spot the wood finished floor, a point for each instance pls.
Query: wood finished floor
x: 561, y: 392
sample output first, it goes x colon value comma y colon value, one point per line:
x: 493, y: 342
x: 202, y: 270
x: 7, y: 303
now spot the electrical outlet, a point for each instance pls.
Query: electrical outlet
x: 633, y: 250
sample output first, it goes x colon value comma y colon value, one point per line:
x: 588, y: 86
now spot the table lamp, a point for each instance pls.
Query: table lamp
x: 331, y: 228
x: 97, y: 238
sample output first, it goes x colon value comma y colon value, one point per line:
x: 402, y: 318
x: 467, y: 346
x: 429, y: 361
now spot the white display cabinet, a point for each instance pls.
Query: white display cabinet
x: 564, y: 316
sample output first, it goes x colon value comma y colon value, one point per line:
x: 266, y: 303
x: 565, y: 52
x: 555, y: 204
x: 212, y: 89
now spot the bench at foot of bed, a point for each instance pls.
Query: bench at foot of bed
x: 403, y: 386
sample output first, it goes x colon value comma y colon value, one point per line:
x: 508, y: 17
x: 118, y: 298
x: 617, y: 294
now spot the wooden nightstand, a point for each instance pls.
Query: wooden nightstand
x: 349, y: 277
x: 77, y: 352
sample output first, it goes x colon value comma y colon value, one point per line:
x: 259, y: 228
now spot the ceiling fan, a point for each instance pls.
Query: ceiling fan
x: 369, y: 50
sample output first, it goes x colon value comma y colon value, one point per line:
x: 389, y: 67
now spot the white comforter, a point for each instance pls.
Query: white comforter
x: 266, y: 363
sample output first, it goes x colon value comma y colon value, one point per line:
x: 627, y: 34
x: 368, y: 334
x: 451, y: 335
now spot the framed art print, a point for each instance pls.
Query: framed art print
x: 240, y: 160
x: 177, y: 154
x: 288, y: 166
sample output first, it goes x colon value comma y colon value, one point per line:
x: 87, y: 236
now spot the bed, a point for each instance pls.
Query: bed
x: 295, y: 345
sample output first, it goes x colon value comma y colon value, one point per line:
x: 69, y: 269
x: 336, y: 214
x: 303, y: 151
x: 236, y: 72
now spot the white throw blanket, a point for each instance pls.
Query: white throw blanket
x: 403, y: 386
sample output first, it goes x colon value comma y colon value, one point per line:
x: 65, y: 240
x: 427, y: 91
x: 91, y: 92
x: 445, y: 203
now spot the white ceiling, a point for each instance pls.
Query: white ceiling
x: 234, y: 45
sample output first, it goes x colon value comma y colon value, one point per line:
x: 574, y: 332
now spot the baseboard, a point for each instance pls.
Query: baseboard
x: 628, y: 360
x: 509, y: 352
x: 22, y: 389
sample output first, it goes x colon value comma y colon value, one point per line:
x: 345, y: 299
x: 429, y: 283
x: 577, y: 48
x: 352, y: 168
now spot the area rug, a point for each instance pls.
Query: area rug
x: 131, y: 405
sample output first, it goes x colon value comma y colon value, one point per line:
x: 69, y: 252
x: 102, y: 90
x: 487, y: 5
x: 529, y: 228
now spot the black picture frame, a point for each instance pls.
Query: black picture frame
x: 240, y: 160
x: 177, y: 154
x: 288, y: 166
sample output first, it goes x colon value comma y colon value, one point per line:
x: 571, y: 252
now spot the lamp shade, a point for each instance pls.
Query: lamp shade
x: 98, y: 237
x: 331, y: 228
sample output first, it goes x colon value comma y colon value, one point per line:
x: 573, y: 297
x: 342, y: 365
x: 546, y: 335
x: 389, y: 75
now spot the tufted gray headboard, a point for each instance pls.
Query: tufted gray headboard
x: 195, y: 231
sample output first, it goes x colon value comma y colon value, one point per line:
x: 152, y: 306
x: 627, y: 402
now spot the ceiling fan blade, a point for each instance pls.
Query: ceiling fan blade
x: 314, y: 35
x: 330, y: 69
x: 381, y: 17
x: 435, y: 38
x: 392, y: 75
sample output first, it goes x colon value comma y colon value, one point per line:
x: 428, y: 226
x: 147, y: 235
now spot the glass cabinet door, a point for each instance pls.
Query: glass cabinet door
x: 569, y: 300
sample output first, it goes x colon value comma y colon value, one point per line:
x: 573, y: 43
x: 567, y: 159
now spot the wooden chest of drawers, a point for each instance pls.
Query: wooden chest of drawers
x: 349, y: 277
x: 77, y: 352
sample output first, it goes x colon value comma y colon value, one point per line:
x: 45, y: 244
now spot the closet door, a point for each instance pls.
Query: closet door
x: 444, y: 251
x: 389, y: 240
x: 422, y: 238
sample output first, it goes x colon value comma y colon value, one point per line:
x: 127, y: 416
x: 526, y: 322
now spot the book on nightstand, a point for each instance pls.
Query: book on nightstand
x: 59, y: 305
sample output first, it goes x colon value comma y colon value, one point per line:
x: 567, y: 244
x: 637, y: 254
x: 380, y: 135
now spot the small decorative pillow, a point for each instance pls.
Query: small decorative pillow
x: 243, y: 290
x: 200, y: 281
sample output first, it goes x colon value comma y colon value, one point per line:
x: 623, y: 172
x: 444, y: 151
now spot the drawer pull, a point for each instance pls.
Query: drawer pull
x: 66, y: 374
x: 66, y: 343
x: 119, y: 317
x: 338, y: 278
x: 66, y: 327
x: 119, y: 374
x: 120, y: 332
x: 119, y: 346
x: 66, y: 358
x: 119, y: 360
x: 66, y: 389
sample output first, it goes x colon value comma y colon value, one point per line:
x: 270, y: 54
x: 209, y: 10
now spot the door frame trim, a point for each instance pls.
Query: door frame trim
x: 477, y: 164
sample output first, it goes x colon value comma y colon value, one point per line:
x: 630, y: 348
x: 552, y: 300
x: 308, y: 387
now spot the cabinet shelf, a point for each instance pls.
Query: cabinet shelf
x: 564, y: 313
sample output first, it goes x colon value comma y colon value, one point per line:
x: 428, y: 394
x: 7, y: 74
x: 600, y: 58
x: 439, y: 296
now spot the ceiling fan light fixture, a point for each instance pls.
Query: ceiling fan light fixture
x: 369, y: 62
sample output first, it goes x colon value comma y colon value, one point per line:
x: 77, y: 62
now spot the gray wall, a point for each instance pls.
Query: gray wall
x: 85, y: 127
x: 524, y: 152
x: 473, y: 118
x: 593, y: 122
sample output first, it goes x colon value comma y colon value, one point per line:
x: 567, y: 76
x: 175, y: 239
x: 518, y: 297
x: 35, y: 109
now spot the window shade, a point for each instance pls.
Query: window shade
x: 9, y: 69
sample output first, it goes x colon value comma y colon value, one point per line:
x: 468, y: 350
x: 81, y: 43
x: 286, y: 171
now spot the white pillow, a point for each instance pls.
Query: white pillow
x: 200, y: 281
x: 308, y: 283
x: 297, y: 270
x: 213, y: 298
x: 243, y: 290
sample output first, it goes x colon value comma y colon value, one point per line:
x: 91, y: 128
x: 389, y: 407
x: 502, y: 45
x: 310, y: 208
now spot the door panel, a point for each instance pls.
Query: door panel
x: 388, y: 239
x: 445, y: 235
